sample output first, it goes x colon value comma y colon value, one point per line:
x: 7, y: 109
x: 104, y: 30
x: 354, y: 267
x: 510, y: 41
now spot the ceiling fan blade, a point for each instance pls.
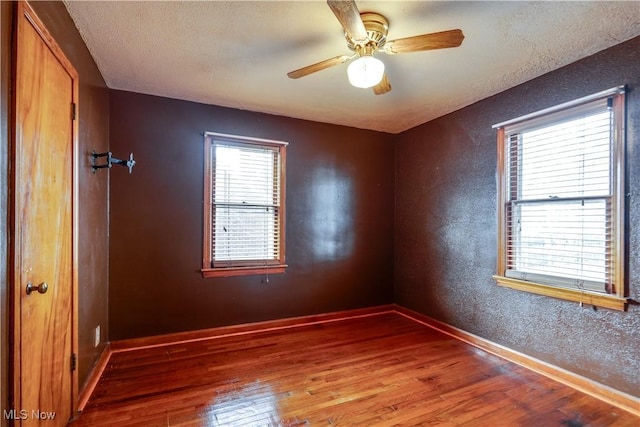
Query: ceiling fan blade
x: 305, y: 71
x: 383, y: 87
x: 441, y: 40
x: 349, y: 17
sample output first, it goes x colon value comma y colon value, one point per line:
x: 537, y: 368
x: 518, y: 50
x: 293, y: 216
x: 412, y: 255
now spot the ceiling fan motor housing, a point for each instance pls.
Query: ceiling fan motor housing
x: 377, y: 27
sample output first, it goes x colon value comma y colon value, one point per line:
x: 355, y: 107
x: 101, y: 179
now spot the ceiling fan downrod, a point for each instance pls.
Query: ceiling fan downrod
x: 377, y: 28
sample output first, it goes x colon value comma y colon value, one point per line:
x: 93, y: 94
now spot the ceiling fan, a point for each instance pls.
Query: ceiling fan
x: 366, y: 34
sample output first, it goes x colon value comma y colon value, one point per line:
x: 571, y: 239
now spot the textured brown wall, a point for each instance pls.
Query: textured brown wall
x: 339, y: 235
x: 6, y: 9
x: 445, y: 229
x: 93, y: 118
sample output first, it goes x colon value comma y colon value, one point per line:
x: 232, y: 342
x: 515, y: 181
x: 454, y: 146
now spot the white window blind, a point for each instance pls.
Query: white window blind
x: 246, y: 196
x: 562, y: 185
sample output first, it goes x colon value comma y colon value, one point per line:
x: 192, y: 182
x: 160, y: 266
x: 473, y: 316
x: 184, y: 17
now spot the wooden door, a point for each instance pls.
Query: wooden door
x: 43, y: 241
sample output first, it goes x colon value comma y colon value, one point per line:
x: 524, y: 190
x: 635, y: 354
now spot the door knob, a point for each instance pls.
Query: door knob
x: 41, y: 288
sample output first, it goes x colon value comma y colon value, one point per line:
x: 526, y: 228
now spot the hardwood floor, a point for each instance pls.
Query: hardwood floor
x: 380, y: 370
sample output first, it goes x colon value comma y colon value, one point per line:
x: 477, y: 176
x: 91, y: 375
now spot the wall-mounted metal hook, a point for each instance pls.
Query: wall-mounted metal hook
x: 110, y: 161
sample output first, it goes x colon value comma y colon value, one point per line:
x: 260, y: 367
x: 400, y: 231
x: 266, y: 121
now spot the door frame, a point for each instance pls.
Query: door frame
x: 24, y: 15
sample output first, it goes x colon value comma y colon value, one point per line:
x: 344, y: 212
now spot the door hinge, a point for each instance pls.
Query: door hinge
x: 73, y: 111
x: 74, y: 362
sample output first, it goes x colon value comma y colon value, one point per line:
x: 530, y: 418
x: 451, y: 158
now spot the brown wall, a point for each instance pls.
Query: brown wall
x: 93, y: 116
x: 339, y: 235
x: 445, y: 229
x: 5, y: 81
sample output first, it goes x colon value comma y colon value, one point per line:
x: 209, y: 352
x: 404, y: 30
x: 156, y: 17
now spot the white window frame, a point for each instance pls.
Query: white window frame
x: 241, y: 267
x: 541, y: 284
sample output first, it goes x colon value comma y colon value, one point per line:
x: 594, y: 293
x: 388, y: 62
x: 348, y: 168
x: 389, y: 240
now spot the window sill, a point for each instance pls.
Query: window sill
x: 243, y: 271
x: 587, y: 297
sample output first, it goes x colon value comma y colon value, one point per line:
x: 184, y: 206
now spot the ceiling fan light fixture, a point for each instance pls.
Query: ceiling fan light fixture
x: 366, y: 34
x: 365, y: 72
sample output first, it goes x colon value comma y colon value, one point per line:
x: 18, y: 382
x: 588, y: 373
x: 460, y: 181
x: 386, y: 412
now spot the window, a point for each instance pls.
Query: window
x: 561, y: 201
x: 244, y: 209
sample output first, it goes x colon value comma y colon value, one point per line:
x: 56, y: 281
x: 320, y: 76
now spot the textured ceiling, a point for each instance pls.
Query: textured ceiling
x: 237, y: 53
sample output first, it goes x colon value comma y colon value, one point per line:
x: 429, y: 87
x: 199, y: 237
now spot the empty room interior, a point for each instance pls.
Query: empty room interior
x: 213, y: 213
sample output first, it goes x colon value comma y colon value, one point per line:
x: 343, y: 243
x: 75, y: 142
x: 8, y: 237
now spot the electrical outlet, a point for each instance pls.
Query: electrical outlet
x: 96, y: 336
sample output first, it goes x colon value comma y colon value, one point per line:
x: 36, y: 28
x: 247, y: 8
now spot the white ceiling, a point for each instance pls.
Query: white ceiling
x: 237, y: 53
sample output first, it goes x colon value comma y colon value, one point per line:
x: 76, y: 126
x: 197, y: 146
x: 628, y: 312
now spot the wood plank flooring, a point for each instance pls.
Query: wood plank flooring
x: 381, y: 370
